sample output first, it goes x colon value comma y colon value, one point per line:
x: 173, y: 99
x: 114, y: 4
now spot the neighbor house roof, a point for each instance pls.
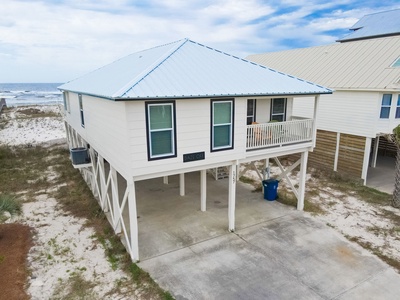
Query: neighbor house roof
x: 375, y: 25
x: 365, y: 64
x: 186, y: 69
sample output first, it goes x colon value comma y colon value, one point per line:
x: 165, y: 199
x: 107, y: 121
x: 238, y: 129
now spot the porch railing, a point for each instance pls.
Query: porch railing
x: 266, y: 135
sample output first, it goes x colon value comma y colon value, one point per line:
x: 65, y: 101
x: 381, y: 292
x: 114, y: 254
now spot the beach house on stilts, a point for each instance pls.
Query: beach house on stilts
x: 176, y: 109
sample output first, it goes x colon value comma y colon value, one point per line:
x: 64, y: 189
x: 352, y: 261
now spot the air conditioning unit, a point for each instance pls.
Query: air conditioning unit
x: 79, y: 156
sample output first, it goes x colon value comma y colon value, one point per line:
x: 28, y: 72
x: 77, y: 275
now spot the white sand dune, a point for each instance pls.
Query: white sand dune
x: 21, y: 129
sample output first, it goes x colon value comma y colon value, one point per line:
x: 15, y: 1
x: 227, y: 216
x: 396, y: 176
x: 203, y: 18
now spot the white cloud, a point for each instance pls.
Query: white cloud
x: 58, y: 41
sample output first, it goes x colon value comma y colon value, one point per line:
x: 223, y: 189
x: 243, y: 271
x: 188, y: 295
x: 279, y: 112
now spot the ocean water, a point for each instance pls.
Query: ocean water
x: 19, y: 94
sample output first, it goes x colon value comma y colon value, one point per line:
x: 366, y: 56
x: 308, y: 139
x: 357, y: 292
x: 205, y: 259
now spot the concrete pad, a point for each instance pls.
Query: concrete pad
x: 382, y: 177
x: 315, y: 254
x: 293, y: 257
x: 276, y: 251
x: 169, y: 222
x: 382, y: 286
x: 224, y: 268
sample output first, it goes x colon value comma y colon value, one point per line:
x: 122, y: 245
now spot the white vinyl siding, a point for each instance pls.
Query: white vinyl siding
x: 105, y: 129
x: 161, y: 130
x: 193, y: 134
x: 348, y: 112
x: 222, y: 125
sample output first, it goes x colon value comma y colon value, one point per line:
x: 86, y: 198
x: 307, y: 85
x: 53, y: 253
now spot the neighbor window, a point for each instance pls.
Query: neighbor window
x: 222, y: 112
x: 398, y: 107
x: 81, y: 110
x: 396, y: 63
x: 385, y: 107
x: 278, y: 109
x: 251, y: 111
x: 161, y: 133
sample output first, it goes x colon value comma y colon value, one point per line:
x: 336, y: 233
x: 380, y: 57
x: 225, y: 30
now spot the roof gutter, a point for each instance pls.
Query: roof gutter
x: 220, y: 96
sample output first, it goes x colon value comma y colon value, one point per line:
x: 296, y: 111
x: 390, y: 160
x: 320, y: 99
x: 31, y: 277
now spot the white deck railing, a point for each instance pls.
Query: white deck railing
x: 266, y: 135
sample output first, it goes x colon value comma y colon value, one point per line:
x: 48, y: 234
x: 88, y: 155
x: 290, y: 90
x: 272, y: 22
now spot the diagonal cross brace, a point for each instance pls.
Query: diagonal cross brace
x: 285, y: 172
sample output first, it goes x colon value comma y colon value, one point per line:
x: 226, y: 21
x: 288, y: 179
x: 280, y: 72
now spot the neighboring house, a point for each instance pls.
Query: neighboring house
x: 179, y: 108
x: 364, y: 72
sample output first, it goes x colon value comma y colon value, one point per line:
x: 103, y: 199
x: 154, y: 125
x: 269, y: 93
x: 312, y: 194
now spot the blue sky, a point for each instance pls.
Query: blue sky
x: 59, y: 40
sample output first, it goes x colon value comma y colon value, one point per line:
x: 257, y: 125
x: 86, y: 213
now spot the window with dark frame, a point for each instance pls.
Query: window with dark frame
x: 81, y: 110
x: 251, y: 111
x: 278, y: 109
x: 398, y: 107
x: 385, y: 106
x: 161, y: 130
x: 222, y: 112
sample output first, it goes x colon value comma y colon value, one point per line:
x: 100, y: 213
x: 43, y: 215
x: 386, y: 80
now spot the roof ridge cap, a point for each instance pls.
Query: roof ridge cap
x: 135, y: 81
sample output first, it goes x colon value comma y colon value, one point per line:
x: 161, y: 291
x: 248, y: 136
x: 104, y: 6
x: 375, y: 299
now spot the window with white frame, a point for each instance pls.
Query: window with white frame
x: 251, y: 111
x: 398, y: 107
x: 222, y: 112
x: 161, y: 130
x: 81, y: 110
x: 278, y: 109
x: 385, y: 106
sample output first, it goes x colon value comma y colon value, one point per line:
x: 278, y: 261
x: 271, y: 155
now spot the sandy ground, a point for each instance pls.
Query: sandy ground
x: 63, y: 247
x: 21, y: 130
x: 347, y: 213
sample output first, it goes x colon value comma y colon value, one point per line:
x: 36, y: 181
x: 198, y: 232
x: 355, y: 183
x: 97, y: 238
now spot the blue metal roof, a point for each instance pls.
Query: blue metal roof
x: 186, y: 69
x: 375, y: 25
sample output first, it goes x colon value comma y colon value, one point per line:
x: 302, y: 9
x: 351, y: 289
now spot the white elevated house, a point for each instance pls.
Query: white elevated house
x: 179, y: 108
x: 363, y: 69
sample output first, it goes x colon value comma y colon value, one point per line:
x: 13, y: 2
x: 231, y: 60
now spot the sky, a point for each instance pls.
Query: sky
x: 60, y: 40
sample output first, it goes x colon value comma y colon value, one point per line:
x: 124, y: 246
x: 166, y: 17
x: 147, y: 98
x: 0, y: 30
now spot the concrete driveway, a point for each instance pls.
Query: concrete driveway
x: 382, y: 177
x: 275, y: 253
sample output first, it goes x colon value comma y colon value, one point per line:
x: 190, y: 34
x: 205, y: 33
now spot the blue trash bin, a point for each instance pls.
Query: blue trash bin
x: 270, y: 189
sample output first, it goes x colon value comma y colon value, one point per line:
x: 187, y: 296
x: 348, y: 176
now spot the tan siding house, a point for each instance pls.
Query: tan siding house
x: 365, y: 77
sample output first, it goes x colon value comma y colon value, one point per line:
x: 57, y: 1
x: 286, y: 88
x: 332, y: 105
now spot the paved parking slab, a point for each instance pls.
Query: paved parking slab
x: 293, y: 257
x: 276, y: 252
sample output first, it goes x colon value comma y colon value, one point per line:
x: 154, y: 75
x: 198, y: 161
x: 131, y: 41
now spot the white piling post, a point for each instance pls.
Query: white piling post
x: 232, y: 197
x: 302, y: 180
x: 203, y: 190
x: 133, y: 224
x: 182, y: 184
